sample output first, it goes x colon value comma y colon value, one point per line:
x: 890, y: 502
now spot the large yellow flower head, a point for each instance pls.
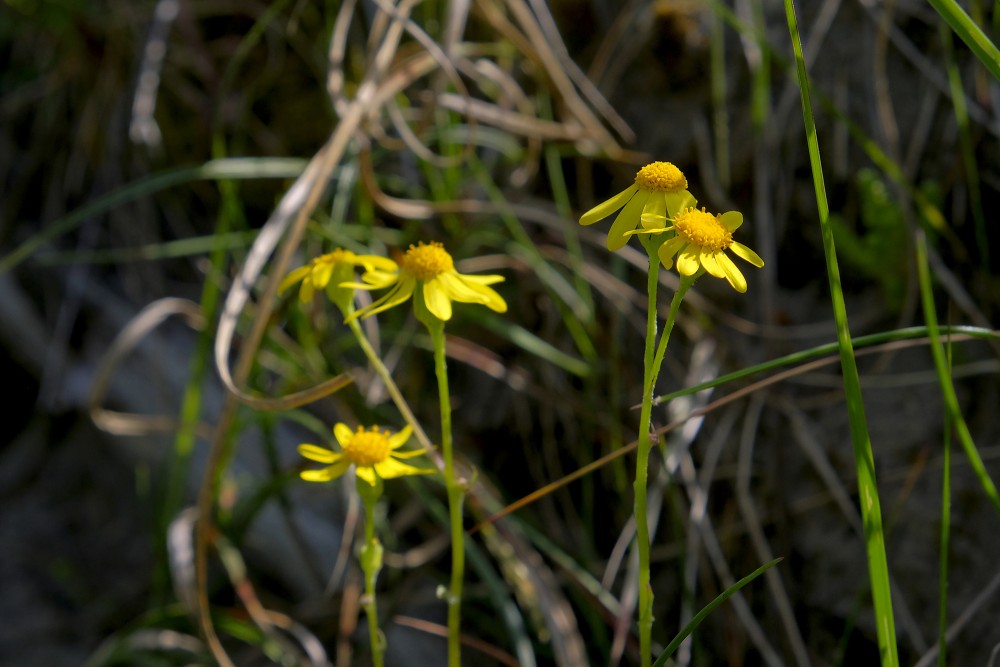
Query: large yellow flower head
x: 659, y: 191
x: 329, y: 271
x: 701, y: 240
x: 373, y: 453
x: 428, y: 266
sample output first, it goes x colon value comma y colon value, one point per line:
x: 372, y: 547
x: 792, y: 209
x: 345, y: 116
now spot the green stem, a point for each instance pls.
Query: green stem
x: 371, y: 561
x: 653, y: 361
x: 456, y: 495
x: 642, y: 468
x: 390, y: 384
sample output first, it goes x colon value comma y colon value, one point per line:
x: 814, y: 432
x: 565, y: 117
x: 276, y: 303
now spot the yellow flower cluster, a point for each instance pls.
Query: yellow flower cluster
x: 698, y: 239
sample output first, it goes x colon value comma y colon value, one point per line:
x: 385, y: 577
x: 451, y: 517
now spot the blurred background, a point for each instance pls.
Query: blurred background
x: 143, y: 146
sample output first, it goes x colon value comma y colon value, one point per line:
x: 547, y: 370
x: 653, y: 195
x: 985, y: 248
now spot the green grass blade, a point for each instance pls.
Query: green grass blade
x: 965, y: 143
x: 967, y: 30
x: 945, y: 540
x: 878, y: 568
x: 708, y: 609
x: 944, y: 376
x: 804, y: 356
x: 235, y: 168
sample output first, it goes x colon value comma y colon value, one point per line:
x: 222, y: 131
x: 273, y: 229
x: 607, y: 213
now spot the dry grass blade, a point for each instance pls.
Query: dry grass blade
x: 143, y: 324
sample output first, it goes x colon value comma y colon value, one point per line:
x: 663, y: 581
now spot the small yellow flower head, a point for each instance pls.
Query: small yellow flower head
x: 429, y: 267
x: 701, y: 240
x: 373, y: 453
x: 659, y: 191
x: 329, y: 271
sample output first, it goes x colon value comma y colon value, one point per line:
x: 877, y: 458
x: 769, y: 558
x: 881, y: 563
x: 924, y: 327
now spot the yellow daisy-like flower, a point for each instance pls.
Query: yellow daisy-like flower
x: 659, y: 191
x: 700, y: 242
x: 429, y: 267
x: 373, y: 453
x: 329, y: 271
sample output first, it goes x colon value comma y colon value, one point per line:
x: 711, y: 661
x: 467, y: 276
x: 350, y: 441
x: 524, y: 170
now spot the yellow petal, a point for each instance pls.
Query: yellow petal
x: 746, y: 253
x: 654, y: 213
x: 461, y: 288
x: 628, y: 219
x: 482, y: 280
x: 294, y: 277
x: 409, y: 453
x: 321, y: 274
x: 731, y: 220
x: 669, y: 249
x: 343, y: 433
x: 391, y: 468
x: 606, y: 208
x: 325, y: 474
x: 687, y: 261
x: 366, y: 473
x: 318, y: 454
x: 733, y: 274
x: 307, y: 290
x: 399, y: 439
x: 436, y: 299
x: 376, y: 262
x: 402, y: 291
x: 678, y: 201
x: 707, y: 259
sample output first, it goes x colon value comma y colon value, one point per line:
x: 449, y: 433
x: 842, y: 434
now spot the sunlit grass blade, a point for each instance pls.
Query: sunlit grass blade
x: 967, y: 30
x: 708, y: 609
x: 878, y: 568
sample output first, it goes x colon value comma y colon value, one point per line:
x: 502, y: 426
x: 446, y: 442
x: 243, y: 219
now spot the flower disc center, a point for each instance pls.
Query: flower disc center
x: 661, y: 177
x: 426, y: 261
x: 366, y: 448
x: 703, y: 229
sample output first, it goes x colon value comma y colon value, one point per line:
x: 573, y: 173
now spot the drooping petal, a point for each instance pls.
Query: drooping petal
x: 669, y: 249
x: 436, y: 299
x: 733, y: 274
x: 487, y: 296
x: 399, y: 439
x: 366, y: 473
x: 746, y: 253
x: 318, y: 454
x: 402, y: 291
x: 391, y: 468
x: 321, y: 274
x: 307, y: 290
x: 294, y: 277
x: 687, y: 260
x: 627, y: 220
x: 731, y: 220
x: 326, y: 474
x: 654, y: 213
x: 376, y: 263
x: 343, y: 434
x: 678, y: 201
x: 609, y: 206
x: 460, y: 290
x: 707, y: 259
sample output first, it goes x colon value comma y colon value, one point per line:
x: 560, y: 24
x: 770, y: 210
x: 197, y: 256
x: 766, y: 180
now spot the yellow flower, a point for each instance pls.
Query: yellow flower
x: 329, y: 271
x: 373, y: 453
x: 700, y: 242
x: 659, y: 191
x: 430, y: 267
